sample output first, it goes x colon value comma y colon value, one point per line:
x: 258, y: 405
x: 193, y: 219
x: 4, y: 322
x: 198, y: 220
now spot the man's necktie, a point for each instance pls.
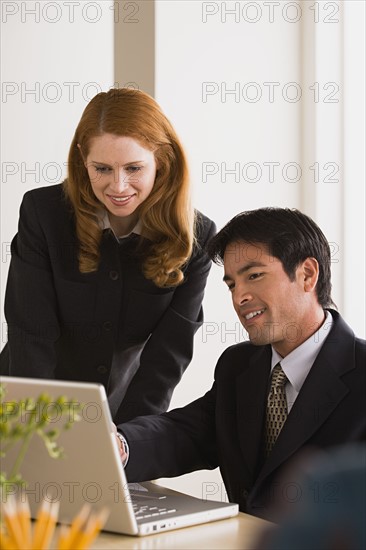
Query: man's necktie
x: 276, y: 407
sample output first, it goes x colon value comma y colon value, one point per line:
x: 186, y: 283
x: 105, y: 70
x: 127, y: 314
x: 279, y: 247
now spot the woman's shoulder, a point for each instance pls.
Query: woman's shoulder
x: 45, y: 194
x: 49, y: 205
x: 49, y: 199
x: 204, y: 226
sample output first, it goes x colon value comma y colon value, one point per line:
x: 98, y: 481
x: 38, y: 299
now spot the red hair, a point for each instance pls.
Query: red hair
x: 166, y: 215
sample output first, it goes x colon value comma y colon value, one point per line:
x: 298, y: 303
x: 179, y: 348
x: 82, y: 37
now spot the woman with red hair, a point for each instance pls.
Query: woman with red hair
x: 108, y: 268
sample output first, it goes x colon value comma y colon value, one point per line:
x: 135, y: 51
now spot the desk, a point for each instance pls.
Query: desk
x: 240, y: 532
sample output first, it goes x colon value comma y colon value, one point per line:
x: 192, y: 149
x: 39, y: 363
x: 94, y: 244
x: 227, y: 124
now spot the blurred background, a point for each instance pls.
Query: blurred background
x: 267, y: 97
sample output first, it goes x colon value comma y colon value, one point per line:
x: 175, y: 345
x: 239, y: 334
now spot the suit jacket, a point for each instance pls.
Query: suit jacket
x: 112, y: 326
x: 225, y: 427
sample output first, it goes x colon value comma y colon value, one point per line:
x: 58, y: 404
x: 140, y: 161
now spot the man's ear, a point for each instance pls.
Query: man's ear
x: 310, y: 274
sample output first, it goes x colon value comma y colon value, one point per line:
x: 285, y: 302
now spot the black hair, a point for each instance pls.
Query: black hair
x: 288, y: 234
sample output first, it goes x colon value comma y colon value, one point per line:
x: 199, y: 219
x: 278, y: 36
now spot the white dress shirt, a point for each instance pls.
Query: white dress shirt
x: 106, y: 224
x: 297, y: 364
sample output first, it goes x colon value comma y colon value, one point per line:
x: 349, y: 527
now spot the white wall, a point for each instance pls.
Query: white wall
x: 354, y: 195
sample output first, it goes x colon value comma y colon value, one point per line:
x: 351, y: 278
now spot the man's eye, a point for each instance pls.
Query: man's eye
x: 253, y: 276
x: 230, y: 287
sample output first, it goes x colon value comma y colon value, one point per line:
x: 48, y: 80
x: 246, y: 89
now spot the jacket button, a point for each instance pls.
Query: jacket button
x: 102, y: 369
x: 113, y: 275
x: 245, y: 494
x: 107, y: 325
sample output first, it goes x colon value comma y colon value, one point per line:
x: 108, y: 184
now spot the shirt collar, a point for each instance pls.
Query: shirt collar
x: 106, y: 224
x: 297, y: 364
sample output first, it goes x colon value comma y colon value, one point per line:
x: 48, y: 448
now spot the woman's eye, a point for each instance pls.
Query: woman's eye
x: 102, y: 169
x: 133, y: 169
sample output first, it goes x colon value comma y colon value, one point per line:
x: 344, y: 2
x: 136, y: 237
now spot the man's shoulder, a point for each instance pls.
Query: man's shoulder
x: 241, y: 348
x: 238, y: 356
x: 360, y: 349
x: 341, y: 328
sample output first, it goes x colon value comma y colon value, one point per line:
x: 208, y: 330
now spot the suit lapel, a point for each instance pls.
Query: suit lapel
x: 322, y: 391
x: 251, y: 397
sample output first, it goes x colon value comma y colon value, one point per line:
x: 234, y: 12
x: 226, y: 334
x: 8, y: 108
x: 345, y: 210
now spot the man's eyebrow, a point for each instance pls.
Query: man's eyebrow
x: 243, y: 269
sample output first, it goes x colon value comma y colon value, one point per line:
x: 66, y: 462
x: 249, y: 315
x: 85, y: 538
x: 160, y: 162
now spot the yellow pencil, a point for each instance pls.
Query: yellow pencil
x: 62, y: 539
x: 76, y: 526
x: 50, y: 526
x: 12, y: 522
x: 5, y: 542
x: 41, y: 524
x: 93, y: 527
x: 25, y: 521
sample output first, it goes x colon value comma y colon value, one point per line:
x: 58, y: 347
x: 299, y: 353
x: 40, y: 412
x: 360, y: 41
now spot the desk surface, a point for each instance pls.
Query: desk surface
x: 239, y: 532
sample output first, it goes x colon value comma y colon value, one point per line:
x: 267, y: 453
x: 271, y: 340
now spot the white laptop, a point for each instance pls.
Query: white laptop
x: 91, y: 470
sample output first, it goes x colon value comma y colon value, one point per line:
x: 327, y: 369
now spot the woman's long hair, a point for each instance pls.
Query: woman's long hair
x: 166, y: 215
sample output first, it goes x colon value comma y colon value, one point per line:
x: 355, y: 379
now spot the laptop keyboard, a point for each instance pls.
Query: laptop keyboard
x: 144, y: 510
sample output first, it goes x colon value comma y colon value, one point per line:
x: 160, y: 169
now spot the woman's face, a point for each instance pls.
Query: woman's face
x: 122, y: 174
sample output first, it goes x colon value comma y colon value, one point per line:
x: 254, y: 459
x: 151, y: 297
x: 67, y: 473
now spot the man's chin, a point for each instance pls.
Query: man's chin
x: 258, y: 341
x: 257, y: 338
x: 258, y: 335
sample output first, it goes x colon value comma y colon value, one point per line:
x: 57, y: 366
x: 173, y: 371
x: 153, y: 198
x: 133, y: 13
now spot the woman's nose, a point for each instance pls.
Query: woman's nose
x: 120, y: 180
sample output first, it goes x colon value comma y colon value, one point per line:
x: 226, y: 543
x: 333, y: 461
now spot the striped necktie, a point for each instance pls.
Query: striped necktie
x: 276, y: 407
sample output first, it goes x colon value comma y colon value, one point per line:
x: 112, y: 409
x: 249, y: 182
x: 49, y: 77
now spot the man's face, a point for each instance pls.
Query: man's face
x: 272, y: 308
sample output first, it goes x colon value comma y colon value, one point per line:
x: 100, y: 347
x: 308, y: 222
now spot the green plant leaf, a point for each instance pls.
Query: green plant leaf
x: 21, y: 420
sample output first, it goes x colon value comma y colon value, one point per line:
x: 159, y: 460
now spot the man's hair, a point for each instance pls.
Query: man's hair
x: 288, y: 234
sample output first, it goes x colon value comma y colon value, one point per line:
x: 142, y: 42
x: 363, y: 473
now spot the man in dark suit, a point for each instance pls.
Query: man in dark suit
x: 297, y: 384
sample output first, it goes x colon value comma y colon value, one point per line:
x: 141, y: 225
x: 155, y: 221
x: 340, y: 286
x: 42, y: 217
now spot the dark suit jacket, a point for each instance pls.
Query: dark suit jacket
x: 225, y: 427
x: 111, y: 326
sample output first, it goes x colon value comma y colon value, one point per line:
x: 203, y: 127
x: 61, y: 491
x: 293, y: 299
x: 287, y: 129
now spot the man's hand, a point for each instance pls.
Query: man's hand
x: 121, y: 447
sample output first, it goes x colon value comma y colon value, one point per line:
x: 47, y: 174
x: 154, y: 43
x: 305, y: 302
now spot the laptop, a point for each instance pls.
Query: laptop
x: 91, y: 470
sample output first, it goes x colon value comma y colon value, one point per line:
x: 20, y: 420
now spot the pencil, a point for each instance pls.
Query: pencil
x: 5, y: 542
x: 93, y: 527
x: 12, y: 522
x: 25, y: 522
x: 41, y: 524
x: 76, y: 526
x: 50, y: 526
x: 62, y: 539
